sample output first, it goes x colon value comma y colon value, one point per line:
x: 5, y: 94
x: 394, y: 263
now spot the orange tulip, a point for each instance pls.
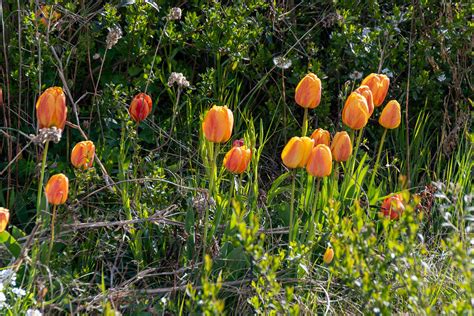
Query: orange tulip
x: 56, y: 189
x: 355, y: 113
x: 367, y: 94
x: 393, y: 206
x: 308, y: 91
x: 51, y: 108
x: 43, y: 15
x: 328, y: 255
x: 378, y: 84
x: 391, y: 115
x: 82, y: 155
x: 321, y: 136
x: 218, y: 123
x: 341, y: 147
x: 140, y: 107
x: 238, y: 158
x: 296, y: 152
x: 320, y: 161
x: 4, y: 218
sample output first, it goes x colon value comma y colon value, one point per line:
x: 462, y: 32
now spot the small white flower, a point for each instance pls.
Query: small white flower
x: 96, y: 56
x: 3, y: 298
x: 18, y: 292
x: 356, y: 75
x: 282, y: 62
x: 388, y: 72
x: 441, y: 77
x: 33, y: 312
x: 179, y: 79
x: 175, y: 14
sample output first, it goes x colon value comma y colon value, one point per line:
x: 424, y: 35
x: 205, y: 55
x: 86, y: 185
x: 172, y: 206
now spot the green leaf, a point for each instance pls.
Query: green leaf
x: 12, y: 245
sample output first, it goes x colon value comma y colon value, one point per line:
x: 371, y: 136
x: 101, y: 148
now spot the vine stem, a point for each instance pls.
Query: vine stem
x: 377, y: 161
x: 40, y: 183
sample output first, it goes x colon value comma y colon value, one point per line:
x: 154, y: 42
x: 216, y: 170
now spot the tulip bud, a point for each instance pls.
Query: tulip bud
x: 56, y: 189
x: 237, y: 159
x: 46, y: 14
x: 1, y: 96
x: 296, y: 152
x: 51, y: 108
x: 320, y: 161
x: 393, y: 206
x: 308, y: 91
x: 378, y: 84
x: 367, y: 94
x: 341, y: 147
x: 4, y: 218
x: 391, y: 115
x: 140, y: 107
x: 218, y: 123
x: 321, y: 136
x: 82, y: 155
x: 328, y: 255
x: 355, y: 113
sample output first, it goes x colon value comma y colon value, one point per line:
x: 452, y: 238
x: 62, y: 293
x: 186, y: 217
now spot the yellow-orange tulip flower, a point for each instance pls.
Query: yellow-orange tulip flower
x: 57, y: 189
x: 328, y: 255
x: 140, y: 107
x: 391, y: 115
x: 355, y: 113
x: 296, y: 152
x: 4, y: 218
x: 51, y: 108
x: 43, y: 15
x: 218, y: 123
x: 393, y: 206
x: 341, y: 146
x: 367, y: 94
x: 82, y: 155
x: 308, y: 91
x: 321, y: 136
x: 378, y: 84
x: 320, y: 161
x: 237, y: 158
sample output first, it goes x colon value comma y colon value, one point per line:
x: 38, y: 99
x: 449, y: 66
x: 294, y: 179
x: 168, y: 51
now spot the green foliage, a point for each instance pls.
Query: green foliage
x: 159, y: 226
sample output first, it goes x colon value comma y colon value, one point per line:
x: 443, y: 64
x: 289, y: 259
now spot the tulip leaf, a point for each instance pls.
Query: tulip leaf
x: 12, y: 245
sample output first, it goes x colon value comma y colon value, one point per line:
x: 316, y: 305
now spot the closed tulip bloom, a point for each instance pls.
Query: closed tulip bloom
x: 140, y: 107
x: 320, y: 161
x: 218, y: 123
x: 51, y: 109
x: 328, y: 255
x: 391, y: 115
x: 308, y: 91
x: 237, y: 159
x: 4, y: 218
x: 321, y: 136
x: 393, y: 206
x: 355, y: 113
x: 341, y: 147
x: 46, y: 15
x: 378, y: 84
x: 296, y: 152
x: 367, y: 94
x: 82, y: 155
x: 57, y: 189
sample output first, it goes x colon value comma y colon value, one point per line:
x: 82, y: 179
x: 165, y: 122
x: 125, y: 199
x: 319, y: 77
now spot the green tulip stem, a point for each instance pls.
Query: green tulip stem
x: 53, y: 222
x: 212, y: 153
x: 377, y: 161
x: 313, y: 211
x: 305, y: 122
x: 40, y: 183
x: 292, y: 205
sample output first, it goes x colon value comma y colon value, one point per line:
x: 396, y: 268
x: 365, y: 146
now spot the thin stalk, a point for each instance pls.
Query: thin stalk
x: 40, y: 183
x: 335, y: 178
x: 212, y: 152
x: 292, y: 205
x: 377, y: 161
x: 305, y: 122
x: 53, y: 222
x: 313, y: 211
